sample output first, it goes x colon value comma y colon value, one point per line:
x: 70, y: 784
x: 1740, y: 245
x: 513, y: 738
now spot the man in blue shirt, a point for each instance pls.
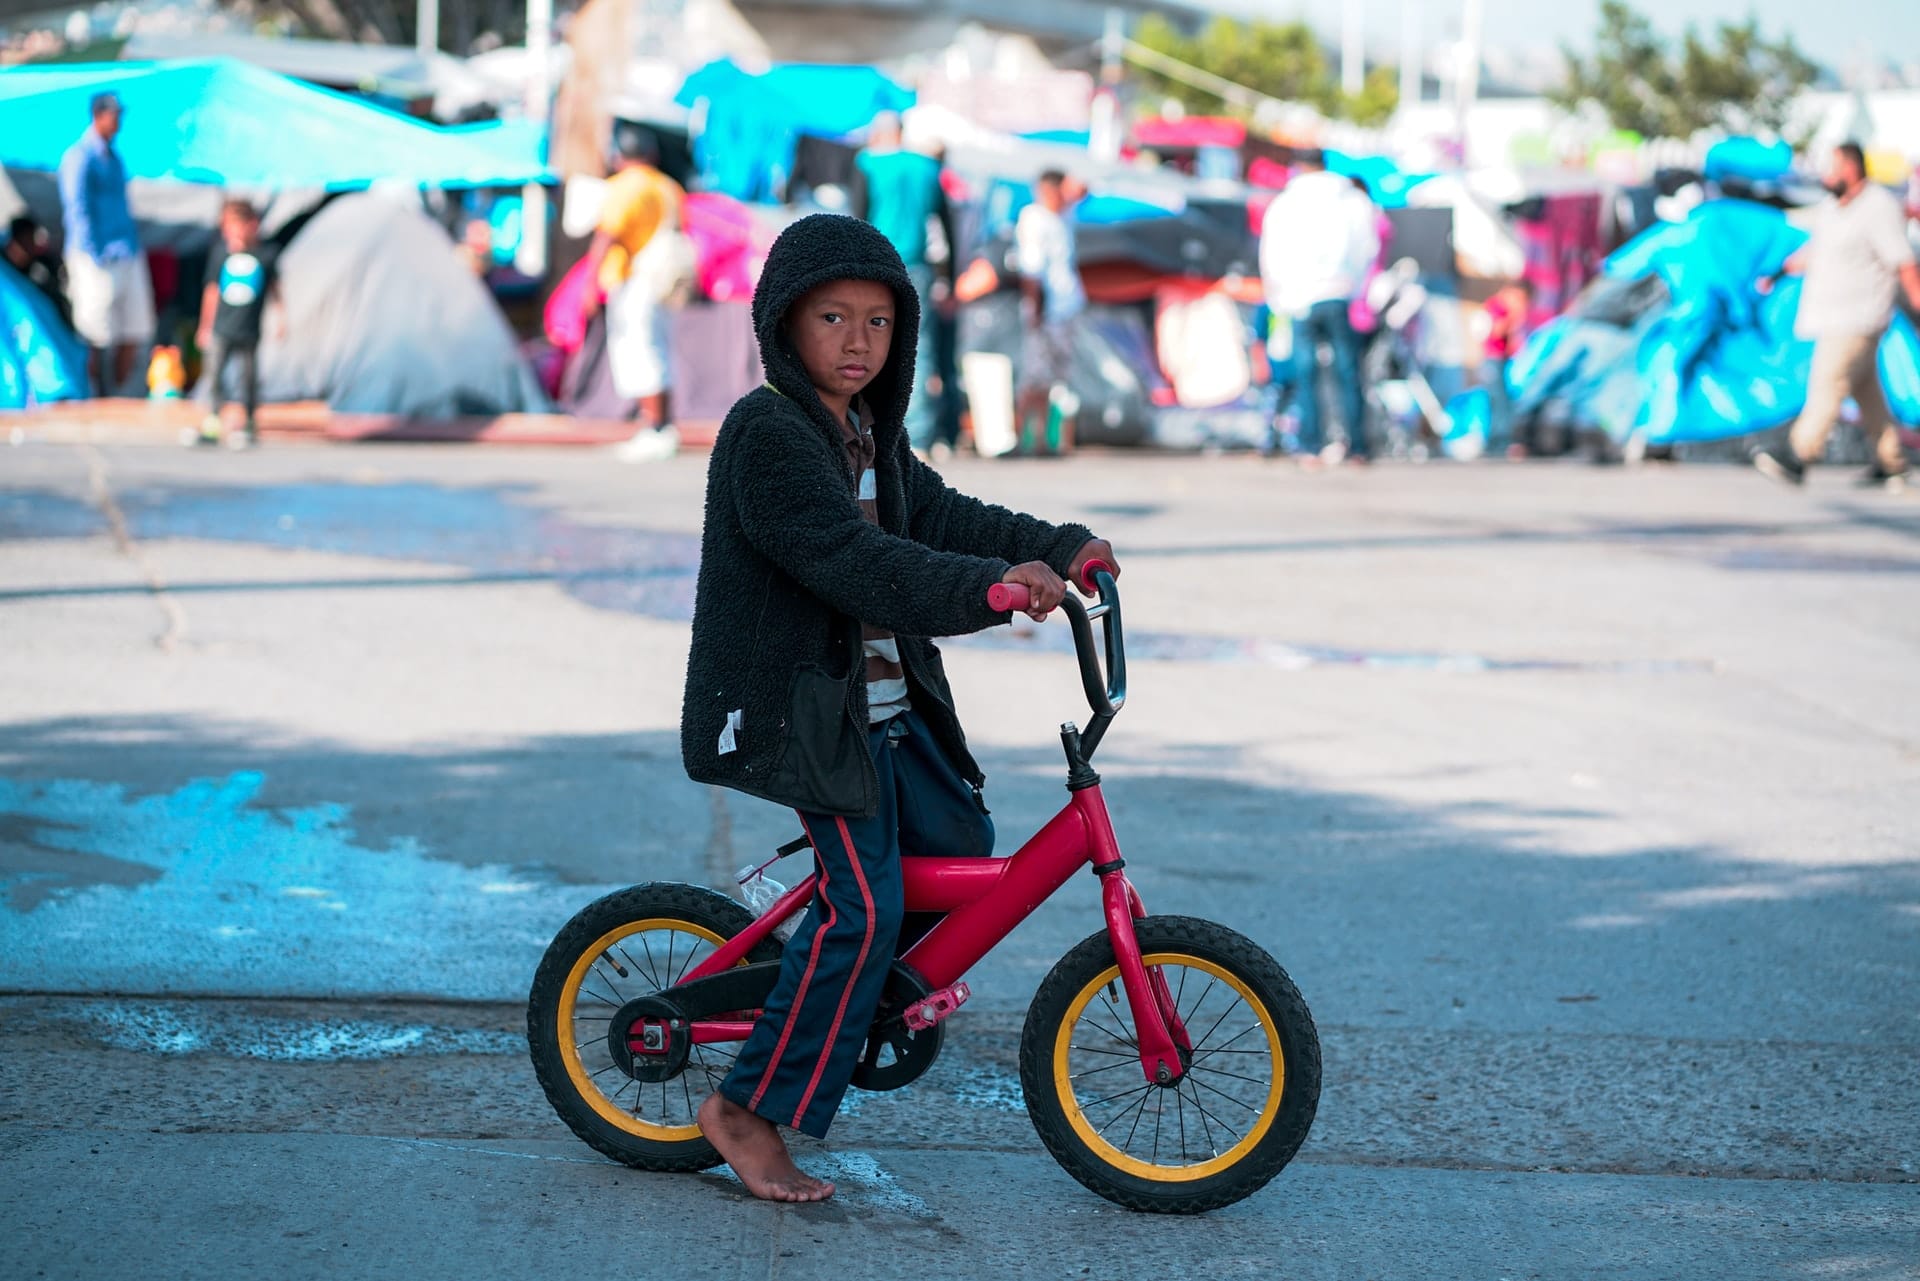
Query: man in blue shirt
x: 107, y: 279
x: 899, y: 191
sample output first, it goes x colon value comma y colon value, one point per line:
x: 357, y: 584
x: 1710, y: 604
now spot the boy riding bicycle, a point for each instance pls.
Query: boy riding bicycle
x: 829, y: 556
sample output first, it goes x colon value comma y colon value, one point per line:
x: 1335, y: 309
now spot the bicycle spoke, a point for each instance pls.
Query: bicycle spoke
x: 1210, y: 1116
x: 1184, y: 971
x: 1201, y: 1044
x: 1105, y: 1067
x: 1138, y: 1113
x: 631, y: 963
x: 1205, y: 1128
x: 1159, y: 1114
x: 1094, y: 1049
x: 617, y: 1002
x: 1222, y: 1047
x: 652, y: 972
x: 1223, y: 1094
x: 1180, y: 1111
x: 1254, y: 1080
x: 1138, y: 1089
x: 670, y: 934
x: 687, y: 964
x: 1117, y: 1038
x: 1194, y: 1013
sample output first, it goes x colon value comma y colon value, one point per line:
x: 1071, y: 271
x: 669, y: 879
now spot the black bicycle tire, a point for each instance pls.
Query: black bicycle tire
x: 668, y: 900
x: 1300, y: 1047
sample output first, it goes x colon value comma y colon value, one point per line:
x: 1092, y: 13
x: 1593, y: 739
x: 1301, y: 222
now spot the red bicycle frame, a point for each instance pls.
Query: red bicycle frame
x: 984, y: 899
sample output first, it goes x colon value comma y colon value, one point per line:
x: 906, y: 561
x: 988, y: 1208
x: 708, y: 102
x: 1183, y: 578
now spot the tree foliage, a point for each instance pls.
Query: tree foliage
x: 1280, y: 60
x: 1739, y: 81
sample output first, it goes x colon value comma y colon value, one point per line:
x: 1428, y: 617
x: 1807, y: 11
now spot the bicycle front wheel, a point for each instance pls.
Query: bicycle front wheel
x: 1227, y: 1126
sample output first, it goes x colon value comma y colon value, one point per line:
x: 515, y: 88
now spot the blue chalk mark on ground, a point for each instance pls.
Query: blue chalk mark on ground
x: 169, y: 1028
x: 249, y: 901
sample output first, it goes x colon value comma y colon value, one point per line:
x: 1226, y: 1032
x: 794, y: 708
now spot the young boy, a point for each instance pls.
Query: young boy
x: 240, y: 276
x: 829, y: 555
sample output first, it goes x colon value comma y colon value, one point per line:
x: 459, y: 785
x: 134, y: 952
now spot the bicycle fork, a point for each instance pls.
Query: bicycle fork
x: 1162, y: 1036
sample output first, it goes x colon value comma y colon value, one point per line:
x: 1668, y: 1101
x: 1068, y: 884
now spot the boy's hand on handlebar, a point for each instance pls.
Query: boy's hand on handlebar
x: 1094, y: 549
x: 1046, y: 589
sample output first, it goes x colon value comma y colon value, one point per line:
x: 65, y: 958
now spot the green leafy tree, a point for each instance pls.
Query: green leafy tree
x: 1277, y: 60
x: 1738, y: 81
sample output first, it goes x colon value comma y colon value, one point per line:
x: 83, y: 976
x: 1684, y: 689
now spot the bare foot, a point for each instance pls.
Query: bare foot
x: 754, y: 1148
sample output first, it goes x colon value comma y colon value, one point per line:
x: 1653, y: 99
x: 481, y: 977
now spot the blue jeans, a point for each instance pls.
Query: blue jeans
x: 795, y: 1067
x: 1327, y: 322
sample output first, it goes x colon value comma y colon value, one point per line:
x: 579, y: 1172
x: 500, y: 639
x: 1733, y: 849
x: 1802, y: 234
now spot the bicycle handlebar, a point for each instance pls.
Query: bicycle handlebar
x: 1106, y: 694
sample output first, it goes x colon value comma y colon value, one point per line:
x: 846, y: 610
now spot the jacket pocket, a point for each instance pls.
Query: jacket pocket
x: 823, y: 762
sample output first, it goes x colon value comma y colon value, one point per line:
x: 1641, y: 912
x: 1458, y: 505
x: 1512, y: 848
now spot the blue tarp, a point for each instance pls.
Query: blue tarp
x: 40, y: 359
x: 746, y: 146
x: 1719, y: 360
x: 225, y: 123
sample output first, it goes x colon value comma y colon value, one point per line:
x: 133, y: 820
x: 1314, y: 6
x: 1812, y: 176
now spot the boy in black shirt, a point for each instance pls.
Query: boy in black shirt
x: 240, y: 276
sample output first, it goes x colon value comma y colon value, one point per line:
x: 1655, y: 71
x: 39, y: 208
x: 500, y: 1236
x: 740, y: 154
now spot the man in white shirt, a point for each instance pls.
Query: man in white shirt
x: 1317, y: 243
x: 1048, y: 258
x: 1852, y: 262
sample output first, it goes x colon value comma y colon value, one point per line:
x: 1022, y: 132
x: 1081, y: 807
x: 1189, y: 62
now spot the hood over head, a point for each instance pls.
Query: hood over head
x: 814, y: 250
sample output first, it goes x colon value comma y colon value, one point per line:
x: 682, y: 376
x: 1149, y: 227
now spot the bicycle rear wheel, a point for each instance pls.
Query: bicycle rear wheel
x: 630, y: 944
x: 1227, y: 1126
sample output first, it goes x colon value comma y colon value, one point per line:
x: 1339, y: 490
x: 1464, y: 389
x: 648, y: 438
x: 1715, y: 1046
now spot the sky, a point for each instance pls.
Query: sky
x: 1830, y: 32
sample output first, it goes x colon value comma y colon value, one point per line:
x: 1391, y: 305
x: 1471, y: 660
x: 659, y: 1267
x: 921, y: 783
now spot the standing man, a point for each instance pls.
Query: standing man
x: 899, y: 191
x: 1856, y: 256
x: 107, y: 279
x: 633, y: 261
x: 1049, y: 261
x: 1317, y: 243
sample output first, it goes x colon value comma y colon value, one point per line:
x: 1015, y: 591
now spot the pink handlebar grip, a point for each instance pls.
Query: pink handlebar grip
x: 1088, y: 570
x: 1008, y: 598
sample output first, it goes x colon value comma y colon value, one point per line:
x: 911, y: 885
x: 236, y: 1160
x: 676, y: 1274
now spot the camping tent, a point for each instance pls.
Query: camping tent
x: 1675, y: 344
x: 225, y: 123
x: 40, y: 359
x: 384, y: 318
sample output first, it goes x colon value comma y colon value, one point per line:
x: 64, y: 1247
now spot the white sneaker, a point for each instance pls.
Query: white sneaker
x: 649, y: 445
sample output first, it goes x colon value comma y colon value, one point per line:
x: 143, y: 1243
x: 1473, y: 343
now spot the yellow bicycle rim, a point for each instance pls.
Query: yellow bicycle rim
x: 609, y: 1111
x: 1113, y: 1156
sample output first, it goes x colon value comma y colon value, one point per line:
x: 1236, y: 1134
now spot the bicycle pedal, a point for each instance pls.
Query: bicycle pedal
x: 922, y: 1015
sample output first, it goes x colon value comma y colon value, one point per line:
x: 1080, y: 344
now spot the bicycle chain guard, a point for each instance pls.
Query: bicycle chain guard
x: 913, y: 1052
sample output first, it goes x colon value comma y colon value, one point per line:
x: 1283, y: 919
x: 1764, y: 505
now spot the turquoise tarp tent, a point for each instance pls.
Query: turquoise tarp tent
x: 225, y: 123
x: 1714, y: 358
x: 40, y: 359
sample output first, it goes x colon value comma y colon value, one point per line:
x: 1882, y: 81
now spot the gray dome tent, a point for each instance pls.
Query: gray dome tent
x: 384, y: 318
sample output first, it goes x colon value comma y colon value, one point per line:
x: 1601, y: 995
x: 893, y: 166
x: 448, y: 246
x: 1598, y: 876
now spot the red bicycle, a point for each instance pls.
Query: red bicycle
x: 1168, y: 1063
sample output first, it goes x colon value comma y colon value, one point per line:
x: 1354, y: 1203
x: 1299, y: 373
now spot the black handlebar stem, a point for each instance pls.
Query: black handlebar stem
x: 1107, y: 694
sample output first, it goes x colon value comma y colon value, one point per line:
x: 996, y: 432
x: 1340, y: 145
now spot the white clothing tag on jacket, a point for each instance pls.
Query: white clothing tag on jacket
x: 736, y: 725
x: 869, y: 489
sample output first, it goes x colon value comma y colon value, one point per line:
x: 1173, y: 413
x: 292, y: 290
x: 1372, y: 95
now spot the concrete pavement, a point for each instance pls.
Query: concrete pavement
x: 1572, y: 799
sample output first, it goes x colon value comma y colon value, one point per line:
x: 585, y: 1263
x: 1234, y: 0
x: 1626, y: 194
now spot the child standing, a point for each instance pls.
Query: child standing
x: 1505, y: 317
x: 240, y: 277
x: 829, y: 555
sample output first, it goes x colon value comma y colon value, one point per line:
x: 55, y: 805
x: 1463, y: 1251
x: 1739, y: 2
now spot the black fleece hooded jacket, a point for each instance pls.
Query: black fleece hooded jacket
x: 776, y: 698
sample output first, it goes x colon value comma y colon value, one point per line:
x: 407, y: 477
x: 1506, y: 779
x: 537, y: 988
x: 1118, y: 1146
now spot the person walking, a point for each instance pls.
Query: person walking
x: 107, y: 280
x: 1049, y: 260
x: 899, y: 192
x: 1852, y: 263
x: 633, y: 261
x: 1318, y: 240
